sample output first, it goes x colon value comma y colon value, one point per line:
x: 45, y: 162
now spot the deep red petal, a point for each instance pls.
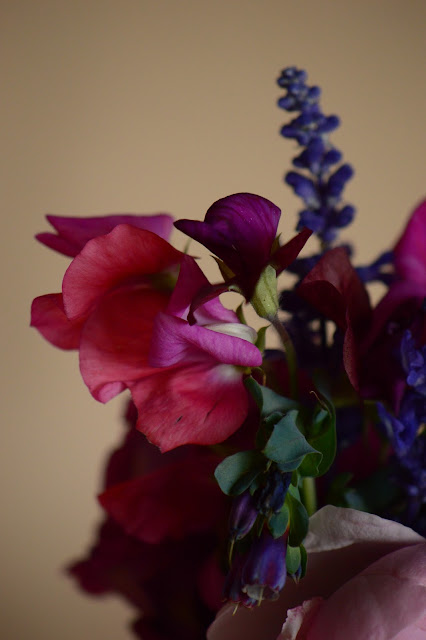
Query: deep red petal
x: 127, y: 254
x: 286, y: 254
x: 196, y: 404
x: 169, y: 503
x: 334, y: 288
x: 48, y: 317
x: 116, y: 339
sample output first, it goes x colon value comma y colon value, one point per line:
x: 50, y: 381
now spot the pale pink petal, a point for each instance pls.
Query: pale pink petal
x: 126, y: 255
x: 174, y: 341
x: 336, y: 527
x: 416, y: 631
x: 197, y: 404
x: 73, y: 233
x: 48, y: 317
x: 327, y: 571
x: 299, y: 619
x: 116, y: 338
x: 377, y: 604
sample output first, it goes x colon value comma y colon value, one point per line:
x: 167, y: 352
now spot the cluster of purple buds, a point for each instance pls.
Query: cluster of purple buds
x: 258, y: 566
x: 406, y: 431
x: 322, y: 191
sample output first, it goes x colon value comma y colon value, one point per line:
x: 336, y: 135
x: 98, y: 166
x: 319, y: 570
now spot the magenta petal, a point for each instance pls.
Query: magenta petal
x: 48, y: 317
x: 116, y: 338
x: 197, y: 404
x: 73, y: 233
x: 174, y: 341
x: 410, y: 251
x: 190, y: 282
x: 125, y: 255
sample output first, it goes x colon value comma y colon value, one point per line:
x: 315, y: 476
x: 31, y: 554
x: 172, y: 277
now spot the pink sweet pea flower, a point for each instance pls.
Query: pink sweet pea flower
x: 82, y: 238
x: 194, y: 392
x: 366, y: 579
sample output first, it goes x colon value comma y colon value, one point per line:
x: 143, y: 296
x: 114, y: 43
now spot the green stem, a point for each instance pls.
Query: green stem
x: 290, y: 355
x: 309, y: 495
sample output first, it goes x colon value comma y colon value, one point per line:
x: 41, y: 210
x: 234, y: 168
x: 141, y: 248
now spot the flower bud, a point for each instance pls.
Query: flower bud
x: 243, y: 516
x: 264, y: 572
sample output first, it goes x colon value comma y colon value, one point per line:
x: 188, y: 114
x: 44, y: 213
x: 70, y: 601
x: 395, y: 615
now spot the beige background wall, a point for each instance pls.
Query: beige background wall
x: 138, y: 106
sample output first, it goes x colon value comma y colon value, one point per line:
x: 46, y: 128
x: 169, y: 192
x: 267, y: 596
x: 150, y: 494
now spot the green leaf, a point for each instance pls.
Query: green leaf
x: 299, y: 520
x: 293, y: 559
x: 278, y: 522
x: 287, y: 446
x: 267, y: 400
x: 236, y: 473
x: 303, y: 560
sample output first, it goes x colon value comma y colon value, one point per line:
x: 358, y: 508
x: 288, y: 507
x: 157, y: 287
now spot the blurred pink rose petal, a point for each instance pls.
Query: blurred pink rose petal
x: 380, y: 568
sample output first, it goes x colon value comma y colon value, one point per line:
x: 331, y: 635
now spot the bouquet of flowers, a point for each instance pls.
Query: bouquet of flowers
x: 247, y: 474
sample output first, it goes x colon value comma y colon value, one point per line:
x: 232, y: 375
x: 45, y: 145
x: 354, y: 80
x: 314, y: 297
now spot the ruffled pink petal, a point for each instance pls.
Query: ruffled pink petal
x: 416, y: 631
x: 410, y: 251
x: 383, y: 600
x: 73, y: 233
x: 190, y: 282
x: 48, y: 317
x: 116, y: 338
x: 127, y: 254
x: 171, y: 502
x: 340, y: 544
x: 175, y: 341
x: 198, y: 404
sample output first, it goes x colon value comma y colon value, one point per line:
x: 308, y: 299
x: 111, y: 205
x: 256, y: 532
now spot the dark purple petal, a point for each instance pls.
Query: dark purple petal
x: 239, y: 229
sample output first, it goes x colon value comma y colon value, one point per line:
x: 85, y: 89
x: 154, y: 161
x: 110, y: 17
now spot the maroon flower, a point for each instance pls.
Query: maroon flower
x: 334, y: 288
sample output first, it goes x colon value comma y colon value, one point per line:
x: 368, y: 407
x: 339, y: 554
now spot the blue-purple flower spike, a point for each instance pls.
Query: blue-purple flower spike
x: 321, y: 190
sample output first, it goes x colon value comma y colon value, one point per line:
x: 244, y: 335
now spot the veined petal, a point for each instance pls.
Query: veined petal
x: 175, y: 341
x: 48, y: 317
x: 73, y: 233
x: 240, y: 229
x: 116, y: 339
x: 126, y: 254
x: 197, y: 404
